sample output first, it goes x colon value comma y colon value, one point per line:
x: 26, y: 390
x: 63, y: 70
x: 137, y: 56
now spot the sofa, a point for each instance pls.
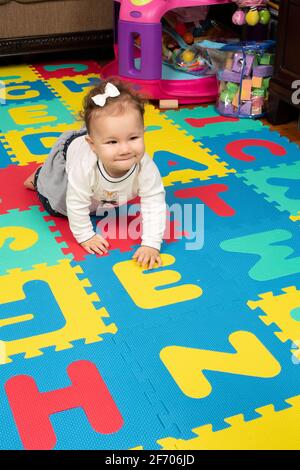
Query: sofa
x: 35, y: 27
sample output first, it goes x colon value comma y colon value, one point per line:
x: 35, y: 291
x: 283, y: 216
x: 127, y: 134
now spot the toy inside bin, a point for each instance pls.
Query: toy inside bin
x: 244, y: 71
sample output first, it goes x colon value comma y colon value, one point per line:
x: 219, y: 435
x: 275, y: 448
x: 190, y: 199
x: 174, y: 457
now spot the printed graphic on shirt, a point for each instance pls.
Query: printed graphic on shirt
x: 109, y: 199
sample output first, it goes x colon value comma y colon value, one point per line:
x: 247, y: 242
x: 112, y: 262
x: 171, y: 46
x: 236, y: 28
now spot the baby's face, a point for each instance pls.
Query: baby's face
x: 118, y: 140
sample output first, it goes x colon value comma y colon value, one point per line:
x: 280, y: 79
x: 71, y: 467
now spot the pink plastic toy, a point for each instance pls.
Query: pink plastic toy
x: 143, y: 66
x: 239, y: 18
x: 251, y: 12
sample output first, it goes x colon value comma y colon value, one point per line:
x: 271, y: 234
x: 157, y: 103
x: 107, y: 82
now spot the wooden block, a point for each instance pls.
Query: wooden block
x: 235, y: 100
x: 257, y: 82
x: 257, y: 110
x: 267, y: 59
x: 257, y: 101
x: 266, y: 83
x: 246, y: 89
x: 245, y: 108
x: 229, y: 63
x: 168, y: 104
x: 229, y: 76
x: 263, y: 71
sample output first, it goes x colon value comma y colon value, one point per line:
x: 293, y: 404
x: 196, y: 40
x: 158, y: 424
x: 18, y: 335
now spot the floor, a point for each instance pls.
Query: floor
x: 202, y: 353
x: 288, y: 130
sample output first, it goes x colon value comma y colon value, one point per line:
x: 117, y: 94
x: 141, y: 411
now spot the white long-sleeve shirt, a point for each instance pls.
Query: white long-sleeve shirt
x: 90, y: 187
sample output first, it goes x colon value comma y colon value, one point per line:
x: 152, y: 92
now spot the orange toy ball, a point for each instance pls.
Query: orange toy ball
x: 188, y: 37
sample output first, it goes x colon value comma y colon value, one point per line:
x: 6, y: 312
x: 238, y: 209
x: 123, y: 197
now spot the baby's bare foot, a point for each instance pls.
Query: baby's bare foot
x: 29, y: 182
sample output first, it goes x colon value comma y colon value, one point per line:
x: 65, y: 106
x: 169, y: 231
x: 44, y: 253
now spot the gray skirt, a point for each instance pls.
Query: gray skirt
x: 51, y: 179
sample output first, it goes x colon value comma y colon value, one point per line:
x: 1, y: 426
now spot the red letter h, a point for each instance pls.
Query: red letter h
x: 31, y: 408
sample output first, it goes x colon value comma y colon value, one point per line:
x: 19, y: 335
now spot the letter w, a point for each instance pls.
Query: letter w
x: 276, y: 259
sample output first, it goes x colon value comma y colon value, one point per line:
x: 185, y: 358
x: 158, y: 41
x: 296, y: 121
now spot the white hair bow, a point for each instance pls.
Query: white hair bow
x: 111, y: 91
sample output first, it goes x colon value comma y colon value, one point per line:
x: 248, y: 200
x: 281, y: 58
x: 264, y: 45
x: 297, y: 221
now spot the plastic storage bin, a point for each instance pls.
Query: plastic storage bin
x: 244, y: 74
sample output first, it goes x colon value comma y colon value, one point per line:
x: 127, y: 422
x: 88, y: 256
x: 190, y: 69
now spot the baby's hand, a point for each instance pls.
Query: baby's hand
x: 96, y: 244
x: 145, y: 255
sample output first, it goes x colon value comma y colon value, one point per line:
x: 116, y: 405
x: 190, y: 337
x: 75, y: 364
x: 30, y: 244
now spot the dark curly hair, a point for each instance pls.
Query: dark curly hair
x: 115, y: 105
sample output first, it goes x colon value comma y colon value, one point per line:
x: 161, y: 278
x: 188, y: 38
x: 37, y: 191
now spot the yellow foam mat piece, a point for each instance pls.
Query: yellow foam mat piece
x: 82, y: 319
x: 180, y: 143
x: 142, y: 287
x: 18, y: 73
x: 295, y: 218
x: 69, y: 98
x: 15, y: 144
x: 278, y: 309
x: 248, y: 435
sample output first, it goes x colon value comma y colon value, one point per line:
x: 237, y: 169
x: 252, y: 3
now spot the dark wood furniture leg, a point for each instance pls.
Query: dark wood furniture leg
x: 281, y: 107
x: 279, y: 111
